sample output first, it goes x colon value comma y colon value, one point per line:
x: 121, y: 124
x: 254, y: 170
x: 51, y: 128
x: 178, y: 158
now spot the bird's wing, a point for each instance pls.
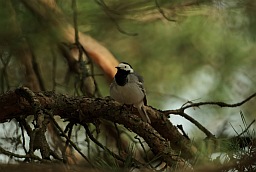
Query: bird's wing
x: 139, y: 80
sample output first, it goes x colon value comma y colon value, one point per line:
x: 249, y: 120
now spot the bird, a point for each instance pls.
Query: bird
x: 127, y: 88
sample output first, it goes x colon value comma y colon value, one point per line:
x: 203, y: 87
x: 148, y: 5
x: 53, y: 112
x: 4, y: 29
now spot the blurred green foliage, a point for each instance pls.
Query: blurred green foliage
x: 209, y: 46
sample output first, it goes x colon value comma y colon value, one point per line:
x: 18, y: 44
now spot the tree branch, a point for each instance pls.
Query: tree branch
x: 86, y: 110
x: 11, y: 154
x: 220, y: 104
x: 181, y: 112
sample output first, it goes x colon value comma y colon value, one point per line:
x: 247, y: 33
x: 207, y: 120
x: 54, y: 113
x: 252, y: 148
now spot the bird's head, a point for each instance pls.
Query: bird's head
x: 123, y: 66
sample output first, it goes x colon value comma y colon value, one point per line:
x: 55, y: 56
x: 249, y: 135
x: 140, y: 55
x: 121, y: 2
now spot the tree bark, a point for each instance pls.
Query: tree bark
x: 161, y: 136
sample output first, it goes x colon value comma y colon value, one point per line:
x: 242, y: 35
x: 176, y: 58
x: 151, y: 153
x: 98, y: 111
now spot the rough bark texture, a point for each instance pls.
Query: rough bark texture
x: 162, y: 137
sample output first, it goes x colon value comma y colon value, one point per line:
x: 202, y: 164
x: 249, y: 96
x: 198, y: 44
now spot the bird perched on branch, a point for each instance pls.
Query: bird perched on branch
x: 127, y: 88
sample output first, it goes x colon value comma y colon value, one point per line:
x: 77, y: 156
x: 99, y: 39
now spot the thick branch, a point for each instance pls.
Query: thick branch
x: 86, y: 110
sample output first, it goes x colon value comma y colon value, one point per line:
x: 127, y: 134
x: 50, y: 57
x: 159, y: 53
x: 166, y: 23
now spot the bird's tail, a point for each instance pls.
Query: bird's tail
x: 144, y: 115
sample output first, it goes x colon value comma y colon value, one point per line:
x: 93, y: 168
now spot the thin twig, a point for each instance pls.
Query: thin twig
x: 145, y: 152
x: 107, y: 11
x: 69, y: 130
x: 221, y: 104
x: 200, y: 126
x: 23, y: 137
x: 78, y: 45
x: 97, y: 91
x: 183, y: 132
x: 4, y: 70
x: 247, y: 128
x: 88, y: 132
x: 70, y: 141
x: 141, y: 144
x: 81, y: 50
x: 105, y: 148
x: 118, y: 139
x: 11, y: 154
x: 38, y: 73
x: 162, y: 12
x: 88, y: 145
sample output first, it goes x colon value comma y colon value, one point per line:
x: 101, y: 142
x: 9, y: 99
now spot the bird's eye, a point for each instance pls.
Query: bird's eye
x: 125, y: 67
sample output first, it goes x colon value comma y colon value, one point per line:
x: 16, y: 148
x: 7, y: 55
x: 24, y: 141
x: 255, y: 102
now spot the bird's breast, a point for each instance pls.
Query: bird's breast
x: 127, y: 94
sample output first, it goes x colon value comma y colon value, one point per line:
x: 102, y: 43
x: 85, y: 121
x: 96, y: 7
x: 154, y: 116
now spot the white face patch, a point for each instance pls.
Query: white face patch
x: 126, y: 67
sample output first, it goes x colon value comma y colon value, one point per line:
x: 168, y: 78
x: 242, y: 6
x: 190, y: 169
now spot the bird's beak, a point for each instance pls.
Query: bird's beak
x: 117, y: 67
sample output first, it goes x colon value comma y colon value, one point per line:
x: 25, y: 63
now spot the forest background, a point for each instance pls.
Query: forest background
x: 187, y: 52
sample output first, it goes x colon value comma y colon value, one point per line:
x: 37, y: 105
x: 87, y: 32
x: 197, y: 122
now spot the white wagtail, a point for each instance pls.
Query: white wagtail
x: 127, y: 88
